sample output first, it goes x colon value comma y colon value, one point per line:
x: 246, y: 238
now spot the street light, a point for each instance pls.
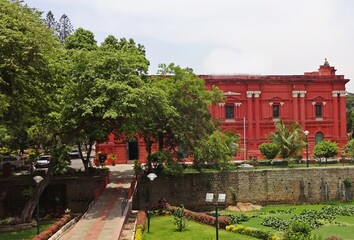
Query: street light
x: 151, y: 176
x: 307, y: 148
x: 37, y: 179
x: 209, y: 198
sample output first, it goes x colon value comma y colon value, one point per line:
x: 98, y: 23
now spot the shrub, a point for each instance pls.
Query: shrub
x: 180, y: 219
x: 138, y: 233
x: 253, y: 232
x: 300, y: 227
x: 235, y: 219
x: 269, y: 150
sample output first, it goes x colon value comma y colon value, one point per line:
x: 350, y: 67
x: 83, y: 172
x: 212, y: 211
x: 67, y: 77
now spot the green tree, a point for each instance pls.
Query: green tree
x: 81, y: 39
x: 217, y: 149
x: 289, y: 138
x: 173, y: 111
x: 349, y: 148
x: 326, y: 149
x: 51, y: 23
x: 98, y: 96
x: 26, y: 48
x: 269, y: 150
x: 65, y: 28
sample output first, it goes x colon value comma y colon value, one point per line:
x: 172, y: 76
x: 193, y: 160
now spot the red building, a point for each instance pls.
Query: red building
x: 254, y: 103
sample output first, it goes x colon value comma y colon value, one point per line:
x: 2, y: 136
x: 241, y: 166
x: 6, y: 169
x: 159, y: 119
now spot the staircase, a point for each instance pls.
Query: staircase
x: 129, y: 227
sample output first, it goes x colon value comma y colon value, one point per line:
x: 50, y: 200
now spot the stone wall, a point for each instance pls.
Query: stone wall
x: 73, y: 192
x: 275, y: 186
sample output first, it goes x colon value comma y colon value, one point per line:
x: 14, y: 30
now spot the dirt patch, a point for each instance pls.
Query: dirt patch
x: 244, y: 207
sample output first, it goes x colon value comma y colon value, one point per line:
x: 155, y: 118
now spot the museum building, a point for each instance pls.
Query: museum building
x: 254, y: 103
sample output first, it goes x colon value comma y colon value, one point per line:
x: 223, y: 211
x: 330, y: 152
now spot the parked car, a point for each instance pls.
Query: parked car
x: 43, y: 161
x: 76, y: 154
x: 15, y: 162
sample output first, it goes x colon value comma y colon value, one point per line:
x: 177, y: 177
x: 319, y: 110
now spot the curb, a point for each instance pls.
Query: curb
x: 66, y: 227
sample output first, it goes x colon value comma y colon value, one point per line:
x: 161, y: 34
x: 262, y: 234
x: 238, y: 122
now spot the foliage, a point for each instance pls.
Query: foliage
x: 26, y: 49
x: 289, y: 138
x: 236, y: 219
x: 276, y: 223
x: 257, y: 233
x: 348, y: 182
x: 202, y: 217
x: 81, y: 39
x: 137, y: 167
x: 179, y: 219
x: 98, y: 96
x: 138, y: 233
x: 65, y: 28
x: 53, y: 228
x: 216, y: 149
x: 300, y: 231
x: 349, y: 148
x: 326, y: 149
x: 269, y: 150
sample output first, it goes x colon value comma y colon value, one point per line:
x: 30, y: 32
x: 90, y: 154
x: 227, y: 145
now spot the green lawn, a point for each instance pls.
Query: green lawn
x: 162, y: 227
x: 342, y: 226
x: 25, y: 234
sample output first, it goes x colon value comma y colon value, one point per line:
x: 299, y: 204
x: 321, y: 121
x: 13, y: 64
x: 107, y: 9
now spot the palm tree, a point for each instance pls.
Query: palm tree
x: 289, y: 138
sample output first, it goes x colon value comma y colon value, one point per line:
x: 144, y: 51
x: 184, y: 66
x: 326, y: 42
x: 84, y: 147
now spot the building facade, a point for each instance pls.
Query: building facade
x: 254, y: 103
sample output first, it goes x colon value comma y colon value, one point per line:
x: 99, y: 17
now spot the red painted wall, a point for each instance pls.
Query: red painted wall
x: 253, y: 98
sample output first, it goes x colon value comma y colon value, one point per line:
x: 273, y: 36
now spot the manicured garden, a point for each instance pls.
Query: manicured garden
x: 320, y: 221
x: 162, y: 227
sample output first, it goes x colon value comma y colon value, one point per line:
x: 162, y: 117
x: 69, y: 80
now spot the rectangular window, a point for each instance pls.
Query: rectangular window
x: 318, y: 111
x: 276, y: 111
x: 229, y: 112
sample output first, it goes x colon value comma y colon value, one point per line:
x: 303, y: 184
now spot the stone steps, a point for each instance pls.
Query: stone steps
x: 129, y: 227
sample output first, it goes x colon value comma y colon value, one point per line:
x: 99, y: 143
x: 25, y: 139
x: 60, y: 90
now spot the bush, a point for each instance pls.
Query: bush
x: 138, y: 233
x: 253, y: 232
x: 180, y: 219
x: 269, y: 150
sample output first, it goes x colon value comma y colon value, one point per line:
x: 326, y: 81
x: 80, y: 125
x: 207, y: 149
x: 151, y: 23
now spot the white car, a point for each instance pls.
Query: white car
x: 43, y: 161
x: 15, y: 162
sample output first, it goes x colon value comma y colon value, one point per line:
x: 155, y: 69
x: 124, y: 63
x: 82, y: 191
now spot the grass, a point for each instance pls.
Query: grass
x: 162, y: 227
x: 27, y: 233
x: 342, y: 226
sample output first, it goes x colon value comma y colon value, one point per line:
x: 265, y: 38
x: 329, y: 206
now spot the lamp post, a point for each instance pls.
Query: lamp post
x: 307, y: 148
x: 209, y: 198
x: 151, y: 176
x: 37, y: 179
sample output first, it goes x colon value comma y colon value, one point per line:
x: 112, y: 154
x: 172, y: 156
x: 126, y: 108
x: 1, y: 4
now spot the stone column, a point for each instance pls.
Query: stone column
x: 257, y: 116
x: 250, y: 113
x: 335, y: 113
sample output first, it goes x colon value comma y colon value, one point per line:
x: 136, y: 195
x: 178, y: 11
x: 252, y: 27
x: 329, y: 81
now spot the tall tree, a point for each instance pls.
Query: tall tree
x: 97, y: 96
x: 51, y: 23
x: 173, y: 111
x: 289, y: 138
x: 65, y: 28
x: 26, y: 47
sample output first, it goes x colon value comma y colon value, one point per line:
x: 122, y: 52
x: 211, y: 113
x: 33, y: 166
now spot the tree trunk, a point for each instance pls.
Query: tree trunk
x: 31, y: 204
x: 148, y: 151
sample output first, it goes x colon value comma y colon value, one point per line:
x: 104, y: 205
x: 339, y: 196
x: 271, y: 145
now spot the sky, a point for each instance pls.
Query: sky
x: 260, y: 37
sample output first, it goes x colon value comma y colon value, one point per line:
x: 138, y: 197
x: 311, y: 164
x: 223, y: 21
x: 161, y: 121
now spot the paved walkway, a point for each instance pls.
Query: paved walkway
x: 105, y: 219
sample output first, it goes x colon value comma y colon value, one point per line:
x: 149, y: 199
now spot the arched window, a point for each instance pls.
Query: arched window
x: 318, y: 137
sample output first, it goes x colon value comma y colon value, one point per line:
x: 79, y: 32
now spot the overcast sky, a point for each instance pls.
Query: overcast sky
x: 224, y: 36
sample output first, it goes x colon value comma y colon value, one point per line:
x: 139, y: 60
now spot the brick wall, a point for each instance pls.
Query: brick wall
x: 278, y: 186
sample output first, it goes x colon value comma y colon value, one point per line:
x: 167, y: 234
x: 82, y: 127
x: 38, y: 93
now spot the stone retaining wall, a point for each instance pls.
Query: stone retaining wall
x: 275, y: 186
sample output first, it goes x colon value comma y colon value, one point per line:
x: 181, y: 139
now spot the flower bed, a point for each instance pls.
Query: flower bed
x: 54, y: 228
